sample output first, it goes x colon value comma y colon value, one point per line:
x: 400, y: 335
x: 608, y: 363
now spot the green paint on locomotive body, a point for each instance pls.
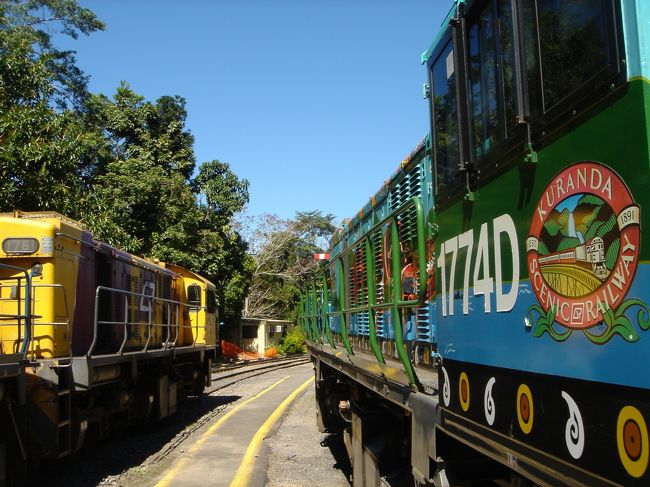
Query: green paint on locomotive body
x: 614, y: 133
x: 531, y: 352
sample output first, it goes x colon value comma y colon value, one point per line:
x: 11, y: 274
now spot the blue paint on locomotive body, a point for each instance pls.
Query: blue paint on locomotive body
x: 505, y: 341
x: 636, y: 30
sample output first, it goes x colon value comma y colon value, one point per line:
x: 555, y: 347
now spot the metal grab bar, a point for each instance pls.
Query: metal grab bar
x: 342, y: 302
x: 372, y: 301
x: 396, y: 311
x: 27, y: 316
x: 315, y: 316
x: 65, y: 323
x: 325, y: 304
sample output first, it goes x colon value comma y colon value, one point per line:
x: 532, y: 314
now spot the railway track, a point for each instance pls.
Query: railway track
x: 224, y: 375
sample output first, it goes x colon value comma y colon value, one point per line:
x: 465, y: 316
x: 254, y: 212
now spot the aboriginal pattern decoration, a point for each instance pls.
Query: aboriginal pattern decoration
x: 488, y: 402
x: 574, y: 433
x: 446, y: 393
x: 554, y: 416
x: 583, y: 252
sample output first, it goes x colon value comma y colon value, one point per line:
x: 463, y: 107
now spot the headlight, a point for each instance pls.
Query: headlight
x: 37, y: 270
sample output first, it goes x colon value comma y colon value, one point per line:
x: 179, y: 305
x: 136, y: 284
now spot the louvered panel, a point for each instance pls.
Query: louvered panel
x: 359, y: 294
x: 378, y: 250
x: 407, y: 225
x: 410, y: 185
x: 335, y: 323
x: 363, y: 326
x: 379, y: 324
x: 354, y: 285
x: 423, y: 329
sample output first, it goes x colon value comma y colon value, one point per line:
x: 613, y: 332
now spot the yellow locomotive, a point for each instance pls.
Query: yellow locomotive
x: 89, y: 333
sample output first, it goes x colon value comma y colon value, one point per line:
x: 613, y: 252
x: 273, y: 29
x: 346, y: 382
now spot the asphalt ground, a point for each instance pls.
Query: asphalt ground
x: 266, y: 437
x: 300, y: 456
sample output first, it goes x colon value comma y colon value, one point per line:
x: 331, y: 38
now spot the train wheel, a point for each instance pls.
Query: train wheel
x: 198, y: 382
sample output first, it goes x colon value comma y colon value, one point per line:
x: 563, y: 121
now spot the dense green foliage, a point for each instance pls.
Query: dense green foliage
x: 293, y: 342
x: 122, y: 165
x: 44, y: 145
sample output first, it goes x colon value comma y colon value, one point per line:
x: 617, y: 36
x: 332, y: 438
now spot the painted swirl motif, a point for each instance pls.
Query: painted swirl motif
x: 446, y: 393
x: 488, y: 402
x: 574, y: 433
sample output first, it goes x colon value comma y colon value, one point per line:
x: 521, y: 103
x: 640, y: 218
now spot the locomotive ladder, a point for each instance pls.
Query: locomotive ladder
x: 63, y: 371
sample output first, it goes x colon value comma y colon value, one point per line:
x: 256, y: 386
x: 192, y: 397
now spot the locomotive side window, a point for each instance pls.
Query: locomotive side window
x: 492, y: 88
x: 212, y: 301
x: 445, y: 118
x: 576, y: 44
x: 507, y: 44
x: 522, y: 66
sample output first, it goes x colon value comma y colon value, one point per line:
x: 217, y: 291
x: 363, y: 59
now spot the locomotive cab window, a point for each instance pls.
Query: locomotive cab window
x: 571, y: 50
x: 445, y: 119
x: 529, y: 64
x: 194, y: 295
x: 492, y: 93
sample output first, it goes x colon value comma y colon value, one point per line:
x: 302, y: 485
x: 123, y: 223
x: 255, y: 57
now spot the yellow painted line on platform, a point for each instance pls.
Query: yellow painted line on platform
x: 243, y: 475
x: 165, y: 481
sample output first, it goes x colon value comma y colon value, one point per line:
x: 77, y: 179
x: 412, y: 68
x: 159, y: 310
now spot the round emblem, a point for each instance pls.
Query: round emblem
x: 583, y: 246
x: 632, y: 441
x: 463, y: 391
x: 525, y: 408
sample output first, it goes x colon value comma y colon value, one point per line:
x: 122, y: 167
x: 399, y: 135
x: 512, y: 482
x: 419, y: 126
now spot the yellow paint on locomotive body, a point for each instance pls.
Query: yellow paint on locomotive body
x: 199, y: 318
x: 152, y: 297
x: 53, y: 242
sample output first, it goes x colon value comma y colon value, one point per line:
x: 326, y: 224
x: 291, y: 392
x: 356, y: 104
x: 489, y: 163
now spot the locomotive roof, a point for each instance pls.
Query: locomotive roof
x: 42, y: 215
x: 443, y: 29
x: 186, y: 272
x: 86, y: 238
x: 404, y: 167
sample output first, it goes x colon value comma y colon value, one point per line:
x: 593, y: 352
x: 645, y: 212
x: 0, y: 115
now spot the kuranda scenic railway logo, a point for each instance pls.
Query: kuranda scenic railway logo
x: 583, y: 252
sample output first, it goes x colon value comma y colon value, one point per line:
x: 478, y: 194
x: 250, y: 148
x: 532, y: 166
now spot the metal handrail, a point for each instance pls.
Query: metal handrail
x: 395, y: 303
x: 169, y: 303
x: 374, y: 345
x: 326, y: 320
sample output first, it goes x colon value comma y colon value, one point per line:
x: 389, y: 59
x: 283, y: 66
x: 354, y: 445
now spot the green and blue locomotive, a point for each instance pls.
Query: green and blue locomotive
x: 487, y: 314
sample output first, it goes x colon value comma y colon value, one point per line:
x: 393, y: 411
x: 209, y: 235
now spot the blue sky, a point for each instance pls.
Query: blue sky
x: 315, y: 102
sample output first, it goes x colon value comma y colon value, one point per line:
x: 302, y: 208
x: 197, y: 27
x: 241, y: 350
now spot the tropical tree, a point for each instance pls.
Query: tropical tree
x: 123, y: 165
x: 43, y: 143
x: 283, y: 261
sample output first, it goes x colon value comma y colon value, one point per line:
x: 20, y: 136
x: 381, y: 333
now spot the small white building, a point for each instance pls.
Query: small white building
x: 258, y: 334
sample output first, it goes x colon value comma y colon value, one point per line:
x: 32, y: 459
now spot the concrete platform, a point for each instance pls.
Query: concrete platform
x: 230, y: 449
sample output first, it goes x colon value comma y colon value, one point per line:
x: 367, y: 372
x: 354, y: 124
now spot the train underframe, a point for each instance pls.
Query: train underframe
x: 55, y: 408
x: 394, y: 435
